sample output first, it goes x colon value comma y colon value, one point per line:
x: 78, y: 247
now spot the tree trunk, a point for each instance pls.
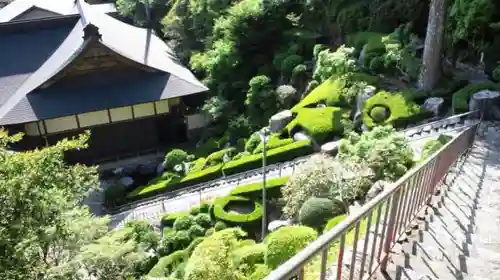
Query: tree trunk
x: 431, y: 66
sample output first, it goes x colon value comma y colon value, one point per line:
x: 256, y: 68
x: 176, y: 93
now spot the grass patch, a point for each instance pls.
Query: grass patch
x: 319, y: 123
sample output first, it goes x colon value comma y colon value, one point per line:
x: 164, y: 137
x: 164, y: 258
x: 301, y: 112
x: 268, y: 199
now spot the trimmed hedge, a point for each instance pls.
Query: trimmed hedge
x: 168, y: 219
x: 249, y: 255
x: 254, y: 191
x: 218, y: 157
x: 460, y: 101
x: 197, y: 165
x: 316, y: 211
x: 234, y: 218
x: 273, y: 142
x: 167, y: 265
x: 281, y: 154
x: 189, y: 250
x: 400, y: 109
x: 320, y: 123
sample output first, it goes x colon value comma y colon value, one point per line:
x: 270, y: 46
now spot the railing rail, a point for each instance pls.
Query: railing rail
x: 383, y: 220
x: 456, y: 119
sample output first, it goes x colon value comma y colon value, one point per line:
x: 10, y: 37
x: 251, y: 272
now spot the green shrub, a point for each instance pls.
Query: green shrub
x: 167, y: 265
x: 168, y: 219
x: 197, y: 165
x: 194, y: 211
x: 252, y: 143
x: 209, y: 232
x: 240, y: 155
x: 260, y: 272
x: 207, y: 174
x: 273, y: 142
x: 249, y: 255
x: 183, y: 222
x: 443, y: 138
x: 220, y: 225
x: 189, y: 250
x: 158, y: 185
x: 430, y: 147
x: 316, y: 211
x: 173, y: 158
x: 333, y: 222
x: 178, y: 272
x: 372, y: 41
x: 460, y: 101
x: 196, y: 231
x: 285, y: 242
x: 281, y: 154
x: 203, y: 220
x: 181, y: 239
x: 234, y: 218
x: 319, y: 123
x: 376, y: 64
x: 398, y: 107
x: 246, y: 242
x: 378, y: 114
x: 218, y: 157
x: 254, y: 190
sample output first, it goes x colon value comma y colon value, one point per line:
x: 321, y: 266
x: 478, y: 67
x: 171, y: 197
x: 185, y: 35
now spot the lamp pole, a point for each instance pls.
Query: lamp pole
x: 264, y: 208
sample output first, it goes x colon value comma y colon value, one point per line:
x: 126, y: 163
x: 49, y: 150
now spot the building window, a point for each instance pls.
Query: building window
x: 143, y: 110
x: 121, y: 114
x: 162, y: 106
x: 93, y: 118
x: 61, y: 124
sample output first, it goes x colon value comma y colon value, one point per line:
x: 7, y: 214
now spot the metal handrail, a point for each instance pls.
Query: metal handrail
x: 236, y: 177
x: 401, y: 203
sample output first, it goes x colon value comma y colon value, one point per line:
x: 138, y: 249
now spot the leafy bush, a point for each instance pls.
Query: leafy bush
x: 281, y: 154
x: 316, y: 211
x: 235, y: 218
x: 249, y: 255
x: 341, y: 61
x: 167, y: 265
x: 209, y: 232
x: 211, y: 259
x: 273, y: 142
x: 333, y: 222
x: 461, y: 98
x: 317, y: 49
x: 239, y: 127
x: 203, y: 220
x: 196, y: 231
x: 173, y: 158
x: 218, y: 157
x: 197, y: 165
x: 254, y: 190
x: 240, y: 155
x: 183, y: 222
x: 378, y: 114
x: 323, y: 176
x: 252, y: 143
x: 260, y: 272
x: 220, y: 225
x: 370, y: 41
x: 159, y: 185
x: 168, y: 219
x: 285, y: 242
x: 189, y: 250
x: 181, y: 239
x: 289, y: 63
x: 398, y: 107
x: 385, y: 151
x: 430, y: 147
x: 320, y: 123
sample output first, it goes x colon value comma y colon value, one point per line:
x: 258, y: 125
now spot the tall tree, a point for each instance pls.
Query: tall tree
x: 431, y: 66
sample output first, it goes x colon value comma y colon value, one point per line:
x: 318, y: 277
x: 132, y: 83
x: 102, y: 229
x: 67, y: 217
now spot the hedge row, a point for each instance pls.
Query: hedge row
x: 167, y: 265
x: 273, y: 142
x: 220, y: 212
x: 254, y: 191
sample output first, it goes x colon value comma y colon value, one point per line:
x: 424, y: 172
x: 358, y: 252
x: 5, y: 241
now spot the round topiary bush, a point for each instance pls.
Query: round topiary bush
x: 181, y: 239
x: 249, y: 255
x: 196, y: 231
x: 203, y: 220
x: 285, y: 242
x: 379, y: 114
x: 184, y: 222
x: 174, y: 157
x: 316, y: 211
x: 237, y: 210
x: 205, y: 208
x: 219, y: 225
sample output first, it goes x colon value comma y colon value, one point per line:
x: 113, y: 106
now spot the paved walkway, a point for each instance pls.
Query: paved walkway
x: 461, y: 239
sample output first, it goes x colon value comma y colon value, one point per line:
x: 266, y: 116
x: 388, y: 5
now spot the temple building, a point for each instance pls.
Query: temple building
x: 68, y: 66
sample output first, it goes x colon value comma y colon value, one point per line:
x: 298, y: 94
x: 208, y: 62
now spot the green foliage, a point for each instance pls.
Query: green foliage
x: 274, y: 141
x: 433, y: 145
x: 461, y: 97
x: 184, y: 222
x: 194, y: 244
x: 398, y: 107
x: 468, y: 19
x: 252, y: 143
x: 285, y: 242
x: 378, y: 114
x: 319, y: 123
x: 316, y: 211
x: 239, y: 127
x: 317, y: 49
x: 387, y: 153
x: 371, y: 42
x: 339, y: 62
x: 167, y: 265
x: 289, y: 63
x: 220, y: 225
x: 249, y: 255
x: 217, y: 158
x: 261, y: 100
x: 254, y: 190
x: 181, y: 239
x: 197, y: 165
x: 144, y: 233
x: 166, y: 181
x: 203, y: 220
x: 222, y: 210
x: 168, y: 219
x: 217, y: 107
x: 173, y: 158
x: 196, y: 231
x: 209, y: 232
x: 334, y: 222
x: 260, y: 272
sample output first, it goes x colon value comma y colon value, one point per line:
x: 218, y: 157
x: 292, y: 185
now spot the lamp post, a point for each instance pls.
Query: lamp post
x: 264, y: 137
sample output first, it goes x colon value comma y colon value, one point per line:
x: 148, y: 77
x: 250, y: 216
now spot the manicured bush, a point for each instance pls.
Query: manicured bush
x: 184, y: 222
x: 273, y: 142
x: 254, y: 190
x: 204, y: 175
x: 158, y: 185
x: 178, y: 272
x: 168, y: 219
x: 167, y: 265
x: 285, y: 242
x: 189, y: 250
x: 218, y: 157
x: 319, y: 123
x: 240, y: 155
x: 174, y: 157
x: 316, y: 211
x: 460, y: 101
x: 398, y: 108
x: 378, y: 114
x: 197, y: 165
x: 246, y: 242
x: 433, y: 145
x: 181, y: 239
x: 249, y: 255
x: 203, y: 220
x: 196, y: 231
x: 333, y: 222
x: 260, y: 272
x: 252, y: 143
x: 209, y: 232
x: 281, y: 154
x: 194, y: 211
x: 220, y: 211
x: 371, y: 41
x: 220, y: 225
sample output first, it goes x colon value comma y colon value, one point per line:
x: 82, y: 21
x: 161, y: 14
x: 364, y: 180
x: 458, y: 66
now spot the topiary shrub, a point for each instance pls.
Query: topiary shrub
x: 254, y: 190
x: 220, y: 225
x: 334, y: 222
x: 319, y: 123
x: 204, y: 208
x: 274, y: 141
x: 196, y: 231
x: 218, y: 157
x: 316, y: 211
x: 167, y: 265
x: 169, y: 219
x: 183, y: 222
x: 249, y: 255
x: 203, y: 220
x: 222, y: 210
x: 189, y: 250
x: 260, y: 272
x: 285, y: 242
x: 181, y: 239
x: 379, y: 114
x: 173, y: 158
x: 209, y: 232
x: 252, y: 143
